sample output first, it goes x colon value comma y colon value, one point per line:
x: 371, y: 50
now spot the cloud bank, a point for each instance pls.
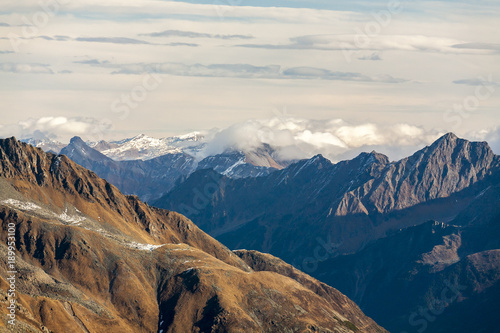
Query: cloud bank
x: 192, y: 34
x: 291, y: 138
x: 57, y: 128
x: 335, y: 139
x: 242, y: 71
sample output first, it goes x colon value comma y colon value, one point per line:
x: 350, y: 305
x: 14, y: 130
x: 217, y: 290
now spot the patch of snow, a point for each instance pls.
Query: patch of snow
x: 482, y: 192
x: 144, y: 247
x: 70, y: 219
x: 56, y: 164
x: 21, y: 205
x: 231, y: 168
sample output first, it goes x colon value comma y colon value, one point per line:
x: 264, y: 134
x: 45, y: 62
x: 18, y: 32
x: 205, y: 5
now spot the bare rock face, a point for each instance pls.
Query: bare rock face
x: 447, y: 166
x: 91, y: 259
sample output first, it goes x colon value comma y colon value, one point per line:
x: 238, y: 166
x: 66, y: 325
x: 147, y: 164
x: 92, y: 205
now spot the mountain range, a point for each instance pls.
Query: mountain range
x: 90, y: 259
x: 150, y: 178
x: 379, y: 230
x: 395, y: 236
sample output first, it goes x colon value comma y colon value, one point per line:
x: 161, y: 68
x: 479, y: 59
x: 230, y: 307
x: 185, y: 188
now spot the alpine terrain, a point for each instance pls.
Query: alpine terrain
x: 393, y: 236
x: 89, y: 259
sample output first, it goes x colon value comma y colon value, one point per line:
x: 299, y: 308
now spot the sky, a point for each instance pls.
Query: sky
x: 377, y: 73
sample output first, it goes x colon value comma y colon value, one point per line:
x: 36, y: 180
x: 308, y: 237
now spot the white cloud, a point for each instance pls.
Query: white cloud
x: 492, y: 136
x: 57, y: 128
x: 335, y: 139
x: 23, y: 68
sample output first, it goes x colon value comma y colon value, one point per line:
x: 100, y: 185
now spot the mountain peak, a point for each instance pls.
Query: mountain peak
x: 319, y: 158
x: 78, y: 147
x: 76, y: 140
x: 450, y: 144
x: 450, y: 136
x: 140, y: 136
x: 9, y: 141
x: 372, y: 157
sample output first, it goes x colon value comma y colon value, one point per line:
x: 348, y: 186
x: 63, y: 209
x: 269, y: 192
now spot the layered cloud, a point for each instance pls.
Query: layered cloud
x: 379, y: 42
x: 242, y: 71
x: 192, y: 34
x: 113, y: 40
x: 235, y: 60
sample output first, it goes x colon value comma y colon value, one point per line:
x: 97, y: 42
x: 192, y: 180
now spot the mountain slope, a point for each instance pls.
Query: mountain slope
x: 421, y: 262
x: 90, y: 259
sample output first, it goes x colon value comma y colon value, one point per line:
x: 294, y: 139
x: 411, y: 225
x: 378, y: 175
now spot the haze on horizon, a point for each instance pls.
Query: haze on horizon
x: 386, y: 73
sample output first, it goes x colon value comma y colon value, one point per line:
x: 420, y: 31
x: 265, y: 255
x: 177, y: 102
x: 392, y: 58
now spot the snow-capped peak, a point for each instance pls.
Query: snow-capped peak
x: 144, y: 147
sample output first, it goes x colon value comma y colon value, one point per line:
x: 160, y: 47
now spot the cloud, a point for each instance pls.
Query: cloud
x: 492, y: 136
x: 214, y: 70
x: 58, y: 128
x: 478, y: 82
x: 20, y: 68
x: 94, y: 62
x: 243, y: 71
x: 478, y: 46
x: 324, y: 74
x: 358, y: 42
x: 3, y: 24
x: 374, y: 57
x: 182, y: 44
x: 336, y: 139
x: 44, y: 37
x: 112, y: 40
x: 191, y: 34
